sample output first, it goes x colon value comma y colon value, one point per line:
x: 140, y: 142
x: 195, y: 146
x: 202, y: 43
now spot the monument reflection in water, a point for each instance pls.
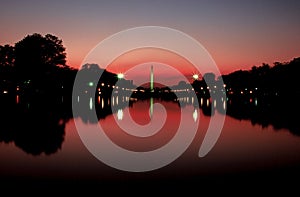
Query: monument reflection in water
x: 38, y: 138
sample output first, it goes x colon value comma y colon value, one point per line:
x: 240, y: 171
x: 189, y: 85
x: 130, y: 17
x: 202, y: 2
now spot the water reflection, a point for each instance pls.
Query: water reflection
x: 120, y: 114
x: 35, y: 125
x: 151, y: 107
x: 86, y: 107
x: 259, y: 110
x: 207, y: 105
x: 266, y: 111
x: 195, y: 115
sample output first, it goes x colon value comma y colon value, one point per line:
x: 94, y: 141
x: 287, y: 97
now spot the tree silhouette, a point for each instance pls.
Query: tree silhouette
x: 210, y: 79
x: 40, y: 65
x: 34, y: 127
x: 37, y: 56
x: 54, y: 51
x: 6, y: 56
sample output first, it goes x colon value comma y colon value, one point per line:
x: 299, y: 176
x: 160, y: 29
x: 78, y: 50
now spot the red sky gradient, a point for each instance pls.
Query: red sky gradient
x: 142, y: 59
x: 237, y: 34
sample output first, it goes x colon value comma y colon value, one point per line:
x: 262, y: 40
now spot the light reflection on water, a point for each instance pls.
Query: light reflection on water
x: 245, y: 144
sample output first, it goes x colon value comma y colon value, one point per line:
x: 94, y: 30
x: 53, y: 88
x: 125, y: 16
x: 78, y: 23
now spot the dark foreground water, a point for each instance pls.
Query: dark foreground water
x: 259, y: 147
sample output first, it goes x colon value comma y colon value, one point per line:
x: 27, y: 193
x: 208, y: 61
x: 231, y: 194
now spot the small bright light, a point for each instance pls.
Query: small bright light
x: 120, y: 114
x: 91, y: 103
x: 91, y: 84
x: 195, y: 76
x: 195, y: 115
x: 120, y: 76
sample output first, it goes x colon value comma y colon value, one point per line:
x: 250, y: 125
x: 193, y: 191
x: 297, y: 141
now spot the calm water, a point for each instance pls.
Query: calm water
x: 39, y: 141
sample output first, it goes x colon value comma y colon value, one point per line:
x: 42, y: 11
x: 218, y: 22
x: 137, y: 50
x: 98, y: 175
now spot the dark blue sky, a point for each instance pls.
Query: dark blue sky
x: 238, y: 34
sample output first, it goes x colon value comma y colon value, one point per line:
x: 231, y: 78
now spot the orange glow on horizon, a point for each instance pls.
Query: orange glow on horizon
x: 167, y: 65
x: 139, y: 56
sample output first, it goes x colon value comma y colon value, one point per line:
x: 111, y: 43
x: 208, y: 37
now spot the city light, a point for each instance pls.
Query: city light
x: 120, y: 76
x: 195, y: 76
x: 91, y: 84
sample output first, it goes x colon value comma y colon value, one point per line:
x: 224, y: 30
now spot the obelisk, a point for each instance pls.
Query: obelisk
x: 151, y: 80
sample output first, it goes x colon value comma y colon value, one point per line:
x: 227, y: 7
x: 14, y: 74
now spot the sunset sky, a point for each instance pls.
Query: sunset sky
x: 237, y: 34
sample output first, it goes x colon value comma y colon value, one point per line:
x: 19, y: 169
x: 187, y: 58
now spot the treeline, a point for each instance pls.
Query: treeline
x: 36, y: 64
x: 279, y: 79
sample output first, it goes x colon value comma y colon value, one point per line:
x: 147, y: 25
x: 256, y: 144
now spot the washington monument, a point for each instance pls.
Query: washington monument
x: 151, y: 80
